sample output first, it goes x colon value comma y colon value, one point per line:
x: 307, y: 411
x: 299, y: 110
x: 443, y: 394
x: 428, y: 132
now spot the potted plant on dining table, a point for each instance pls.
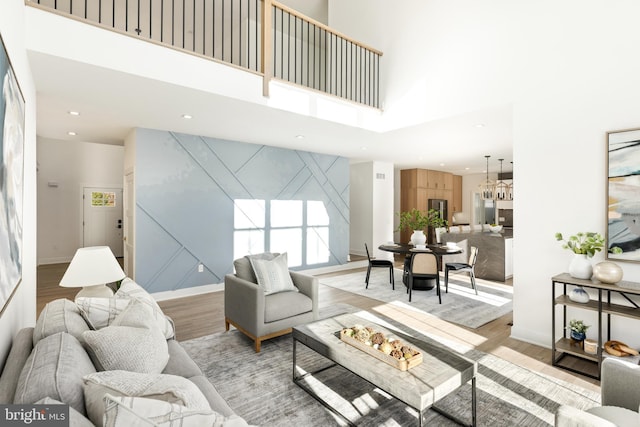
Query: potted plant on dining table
x: 417, y: 221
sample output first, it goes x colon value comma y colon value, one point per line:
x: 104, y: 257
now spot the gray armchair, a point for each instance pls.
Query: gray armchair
x: 620, y: 392
x: 261, y: 316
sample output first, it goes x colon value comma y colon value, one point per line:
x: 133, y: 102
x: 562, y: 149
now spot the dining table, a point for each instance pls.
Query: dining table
x: 407, y: 248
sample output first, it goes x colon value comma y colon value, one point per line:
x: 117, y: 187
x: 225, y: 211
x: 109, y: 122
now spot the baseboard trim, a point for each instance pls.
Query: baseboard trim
x: 187, y: 292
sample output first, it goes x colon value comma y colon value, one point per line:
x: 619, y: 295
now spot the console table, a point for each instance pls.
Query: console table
x: 602, y: 306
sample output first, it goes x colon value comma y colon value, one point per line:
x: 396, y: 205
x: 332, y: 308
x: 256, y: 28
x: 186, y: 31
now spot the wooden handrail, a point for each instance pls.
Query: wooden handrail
x: 321, y: 25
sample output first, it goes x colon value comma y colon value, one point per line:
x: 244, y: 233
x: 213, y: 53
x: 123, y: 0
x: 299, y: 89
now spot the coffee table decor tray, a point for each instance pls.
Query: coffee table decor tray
x: 387, y: 349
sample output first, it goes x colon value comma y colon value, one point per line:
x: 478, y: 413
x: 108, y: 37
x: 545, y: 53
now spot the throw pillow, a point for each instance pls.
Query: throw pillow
x: 243, y: 267
x: 100, y: 312
x: 131, y: 290
x: 168, y: 388
x: 55, y: 369
x: 61, y: 315
x: 127, y: 348
x: 139, y: 411
x: 273, y: 275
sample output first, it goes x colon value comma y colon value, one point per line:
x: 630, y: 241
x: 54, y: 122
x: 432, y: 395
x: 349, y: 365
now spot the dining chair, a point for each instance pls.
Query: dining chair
x: 423, y: 265
x: 458, y: 267
x: 385, y: 263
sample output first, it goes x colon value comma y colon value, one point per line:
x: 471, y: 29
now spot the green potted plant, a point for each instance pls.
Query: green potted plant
x: 416, y: 221
x: 578, y: 329
x: 584, y: 245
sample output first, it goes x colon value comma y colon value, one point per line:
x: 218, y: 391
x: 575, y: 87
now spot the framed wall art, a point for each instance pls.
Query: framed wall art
x: 11, y: 179
x: 623, y: 194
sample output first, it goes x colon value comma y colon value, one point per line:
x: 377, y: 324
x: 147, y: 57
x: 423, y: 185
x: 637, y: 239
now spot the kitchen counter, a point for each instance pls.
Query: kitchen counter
x: 495, y: 255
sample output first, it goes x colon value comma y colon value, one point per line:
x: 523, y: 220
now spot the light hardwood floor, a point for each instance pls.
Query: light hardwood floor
x: 201, y: 315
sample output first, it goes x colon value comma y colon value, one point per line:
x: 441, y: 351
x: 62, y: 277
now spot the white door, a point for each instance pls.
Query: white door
x: 129, y: 210
x: 102, y: 218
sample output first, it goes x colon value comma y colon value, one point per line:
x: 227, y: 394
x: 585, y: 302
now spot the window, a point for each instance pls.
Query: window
x: 298, y: 227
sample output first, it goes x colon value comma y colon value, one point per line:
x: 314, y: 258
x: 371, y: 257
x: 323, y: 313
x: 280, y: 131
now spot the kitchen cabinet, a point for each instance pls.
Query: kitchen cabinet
x: 437, y: 180
x: 417, y: 186
x: 602, y: 305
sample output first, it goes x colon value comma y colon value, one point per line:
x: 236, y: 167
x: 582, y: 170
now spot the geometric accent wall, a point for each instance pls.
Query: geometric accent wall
x: 191, y: 193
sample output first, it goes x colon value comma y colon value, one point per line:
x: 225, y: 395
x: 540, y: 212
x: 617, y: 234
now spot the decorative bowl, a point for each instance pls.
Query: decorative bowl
x: 495, y: 228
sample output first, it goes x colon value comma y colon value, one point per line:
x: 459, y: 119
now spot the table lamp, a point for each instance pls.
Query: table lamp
x: 91, y: 269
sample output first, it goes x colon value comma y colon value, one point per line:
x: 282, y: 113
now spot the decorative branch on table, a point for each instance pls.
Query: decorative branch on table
x: 585, y: 243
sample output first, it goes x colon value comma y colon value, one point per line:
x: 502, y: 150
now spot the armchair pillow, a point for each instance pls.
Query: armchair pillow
x: 273, y: 275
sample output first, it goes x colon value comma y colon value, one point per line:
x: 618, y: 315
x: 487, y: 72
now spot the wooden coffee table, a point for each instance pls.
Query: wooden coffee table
x: 441, y: 371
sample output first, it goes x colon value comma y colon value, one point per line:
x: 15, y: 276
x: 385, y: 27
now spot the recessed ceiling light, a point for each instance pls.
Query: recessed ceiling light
x: 187, y: 116
x: 441, y: 164
x: 71, y: 133
x: 467, y: 169
x: 479, y: 125
x: 74, y: 113
x: 300, y: 136
x: 363, y: 148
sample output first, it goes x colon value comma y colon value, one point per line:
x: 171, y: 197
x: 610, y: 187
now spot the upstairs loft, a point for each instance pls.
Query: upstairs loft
x: 262, y: 37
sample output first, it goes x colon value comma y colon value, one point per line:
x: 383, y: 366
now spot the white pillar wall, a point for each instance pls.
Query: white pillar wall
x: 371, y: 191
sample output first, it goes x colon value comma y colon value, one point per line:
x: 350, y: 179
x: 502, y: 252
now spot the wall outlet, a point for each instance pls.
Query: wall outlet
x: 200, y: 268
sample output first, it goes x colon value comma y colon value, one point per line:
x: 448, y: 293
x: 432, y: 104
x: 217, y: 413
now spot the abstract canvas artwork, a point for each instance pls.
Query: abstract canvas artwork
x: 11, y: 179
x: 623, y: 194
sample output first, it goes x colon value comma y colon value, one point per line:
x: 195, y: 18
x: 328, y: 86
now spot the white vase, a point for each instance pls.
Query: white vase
x: 418, y: 238
x: 580, y: 267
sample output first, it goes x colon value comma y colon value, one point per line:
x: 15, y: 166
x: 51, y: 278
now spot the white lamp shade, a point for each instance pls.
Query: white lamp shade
x: 91, y: 266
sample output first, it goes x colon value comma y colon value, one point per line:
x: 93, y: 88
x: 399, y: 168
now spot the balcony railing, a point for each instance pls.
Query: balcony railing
x: 262, y: 36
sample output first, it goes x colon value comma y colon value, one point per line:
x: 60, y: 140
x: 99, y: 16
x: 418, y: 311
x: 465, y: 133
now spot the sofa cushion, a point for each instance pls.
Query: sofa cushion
x: 20, y: 350
x: 273, y: 275
x: 55, y: 369
x: 170, y: 388
x: 138, y: 411
x: 216, y: 401
x: 76, y: 419
x: 244, y: 269
x: 179, y: 361
x: 285, y: 304
x: 127, y: 348
x: 61, y: 315
x: 131, y: 290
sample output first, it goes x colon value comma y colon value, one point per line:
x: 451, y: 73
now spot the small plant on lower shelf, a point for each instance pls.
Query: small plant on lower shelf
x: 578, y: 326
x: 578, y: 329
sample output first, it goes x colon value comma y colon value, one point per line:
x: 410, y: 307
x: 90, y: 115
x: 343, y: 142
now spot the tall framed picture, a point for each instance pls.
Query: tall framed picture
x: 11, y: 179
x: 623, y: 194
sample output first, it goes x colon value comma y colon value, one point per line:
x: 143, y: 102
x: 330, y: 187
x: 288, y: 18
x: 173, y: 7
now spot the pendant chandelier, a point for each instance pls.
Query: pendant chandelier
x: 502, y: 188
x: 487, y: 188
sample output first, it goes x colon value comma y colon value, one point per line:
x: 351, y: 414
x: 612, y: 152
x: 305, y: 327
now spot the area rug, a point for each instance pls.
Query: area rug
x: 460, y: 305
x: 259, y: 387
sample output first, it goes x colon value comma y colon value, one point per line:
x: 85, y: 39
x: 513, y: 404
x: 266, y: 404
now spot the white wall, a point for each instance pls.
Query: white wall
x: 360, y: 204
x: 21, y: 310
x: 371, y: 214
x: 73, y: 166
x: 382, y: 207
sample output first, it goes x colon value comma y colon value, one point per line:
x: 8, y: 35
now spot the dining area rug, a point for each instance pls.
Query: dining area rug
x: 460, y: 305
